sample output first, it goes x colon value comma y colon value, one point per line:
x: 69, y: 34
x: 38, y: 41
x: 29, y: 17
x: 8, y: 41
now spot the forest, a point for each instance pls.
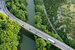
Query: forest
x: 9, y: 38
x: 55, y: 9
x: 17, y: 8
x: 42, y: 24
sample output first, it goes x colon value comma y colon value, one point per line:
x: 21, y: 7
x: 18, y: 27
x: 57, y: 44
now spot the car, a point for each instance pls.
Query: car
x: 29, y: 29
x: 52, y: 41
x: 22, y: 25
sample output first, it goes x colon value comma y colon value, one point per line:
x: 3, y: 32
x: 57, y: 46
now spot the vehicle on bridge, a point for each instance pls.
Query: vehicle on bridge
x: 52, y: 41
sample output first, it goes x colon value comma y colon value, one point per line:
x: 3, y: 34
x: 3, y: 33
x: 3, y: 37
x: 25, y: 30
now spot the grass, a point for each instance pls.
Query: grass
x: 64, y: 6
x: 72, y: 7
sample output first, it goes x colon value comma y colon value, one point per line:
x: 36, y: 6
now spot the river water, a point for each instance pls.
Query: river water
x: 31, y: 12
x: 27, y: 42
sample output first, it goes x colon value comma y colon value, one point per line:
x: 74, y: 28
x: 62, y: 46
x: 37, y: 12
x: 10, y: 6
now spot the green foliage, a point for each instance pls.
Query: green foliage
x: 8, y: 33
x: 18, y: 8
x: 67, y: 41
x: 38, y: 19
x: 41, y: 44
x: 3, y: 17
x: 41, y: 21
x: 38, y: 2
x: 52, y: 8
x: 42, y: 24
x: 73, y: 1
x: 40, y: 8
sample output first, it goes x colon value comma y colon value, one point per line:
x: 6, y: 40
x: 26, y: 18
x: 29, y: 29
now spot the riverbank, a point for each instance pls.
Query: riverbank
x: 26, y: 41
x: 24, y: 10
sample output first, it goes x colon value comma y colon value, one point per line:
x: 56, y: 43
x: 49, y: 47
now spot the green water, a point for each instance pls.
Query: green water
x: 31, y: 12
x: 27, y: 42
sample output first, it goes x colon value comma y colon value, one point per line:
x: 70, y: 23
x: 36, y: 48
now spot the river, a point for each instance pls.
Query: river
x: 27, y: 42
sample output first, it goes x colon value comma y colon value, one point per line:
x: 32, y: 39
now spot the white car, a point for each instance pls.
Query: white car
x: 52, y: 41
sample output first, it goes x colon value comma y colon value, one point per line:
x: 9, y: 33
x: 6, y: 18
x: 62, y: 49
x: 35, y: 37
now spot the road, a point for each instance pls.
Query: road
x: 49, y: 21
x: 34, y: 30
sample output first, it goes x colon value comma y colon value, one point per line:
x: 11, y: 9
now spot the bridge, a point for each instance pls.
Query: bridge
x: 34, y: 30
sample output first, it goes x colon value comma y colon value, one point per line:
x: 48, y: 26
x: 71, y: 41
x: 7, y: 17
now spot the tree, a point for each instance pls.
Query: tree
x: 18, y: 8
x: 40, y: 43
x: 38, y: 19
x: 39, y: 2
x: 8, y: 33
x: 40, y: 8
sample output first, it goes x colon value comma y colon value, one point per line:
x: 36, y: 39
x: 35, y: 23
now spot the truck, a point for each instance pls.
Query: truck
x: 52, y: 41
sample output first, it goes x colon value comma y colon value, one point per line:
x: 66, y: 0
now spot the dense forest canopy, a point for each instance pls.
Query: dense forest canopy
x: 18, y: 8
x: 9, y: 39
